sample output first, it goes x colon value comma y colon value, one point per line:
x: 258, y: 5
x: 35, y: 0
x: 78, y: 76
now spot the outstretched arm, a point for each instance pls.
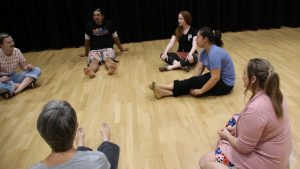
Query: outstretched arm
x: 86, y: 46
x: 25, y: 66
x: 199, y: 69
x: 215, y: 77
x: 194, y: 47
x: 118, y: 42
x: 169, y: 46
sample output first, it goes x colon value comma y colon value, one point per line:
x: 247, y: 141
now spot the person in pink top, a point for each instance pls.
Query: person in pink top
x: 260, y: 136
x: 11, y: 82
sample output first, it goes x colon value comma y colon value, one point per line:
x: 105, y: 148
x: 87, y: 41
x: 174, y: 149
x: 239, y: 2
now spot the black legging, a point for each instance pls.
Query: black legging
x: 173, y: 56
x: 183, y: 87
x: 111, y: 151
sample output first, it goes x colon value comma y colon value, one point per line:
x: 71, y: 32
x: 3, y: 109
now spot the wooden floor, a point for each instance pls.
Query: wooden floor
x: 172, y: 133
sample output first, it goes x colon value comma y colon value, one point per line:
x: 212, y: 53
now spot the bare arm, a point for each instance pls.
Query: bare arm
x: 199, y: 69
x: 215, y: 77
x: 118, y: 43
x: 170, y: 44
x: 194, y: 47
x: 25, y: 66
x: 164, y: 56
x: 87, y: 44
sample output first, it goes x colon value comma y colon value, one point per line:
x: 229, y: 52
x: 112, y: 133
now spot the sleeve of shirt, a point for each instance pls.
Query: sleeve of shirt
x: 250, y: 130
x: 215, y: 60
x: 86, y: 37
x: 20, y: 56
x: 112, y: 29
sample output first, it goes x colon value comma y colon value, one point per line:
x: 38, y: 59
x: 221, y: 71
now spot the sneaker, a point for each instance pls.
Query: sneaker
x: 163, y: 68
x: 7, y: 95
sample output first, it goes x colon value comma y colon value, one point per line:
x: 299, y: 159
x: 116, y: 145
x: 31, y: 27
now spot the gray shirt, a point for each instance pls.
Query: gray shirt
x: 81, y: 160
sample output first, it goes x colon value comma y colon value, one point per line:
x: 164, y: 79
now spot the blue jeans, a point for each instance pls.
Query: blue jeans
x: 18, y: 78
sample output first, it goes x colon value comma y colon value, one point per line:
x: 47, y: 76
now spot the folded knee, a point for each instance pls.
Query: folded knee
x: 37, y: 71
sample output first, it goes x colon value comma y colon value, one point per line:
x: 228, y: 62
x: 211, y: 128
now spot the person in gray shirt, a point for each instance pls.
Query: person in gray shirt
x: 58, y: 126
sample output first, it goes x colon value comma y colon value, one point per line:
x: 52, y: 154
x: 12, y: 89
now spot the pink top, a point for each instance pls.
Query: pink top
x: 264, y: 141
x: 8, y: 64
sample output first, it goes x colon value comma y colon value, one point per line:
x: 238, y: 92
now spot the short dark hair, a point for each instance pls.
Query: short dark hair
x: 3, y: 36
x: 57, y: 124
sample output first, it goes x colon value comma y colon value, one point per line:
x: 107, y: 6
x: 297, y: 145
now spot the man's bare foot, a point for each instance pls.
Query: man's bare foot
x: 16, y: 85
x: 16, y: 89
x: 112, y: 68
x: 79, y: 138
x: 89, y: 72
x: 105, y: 132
